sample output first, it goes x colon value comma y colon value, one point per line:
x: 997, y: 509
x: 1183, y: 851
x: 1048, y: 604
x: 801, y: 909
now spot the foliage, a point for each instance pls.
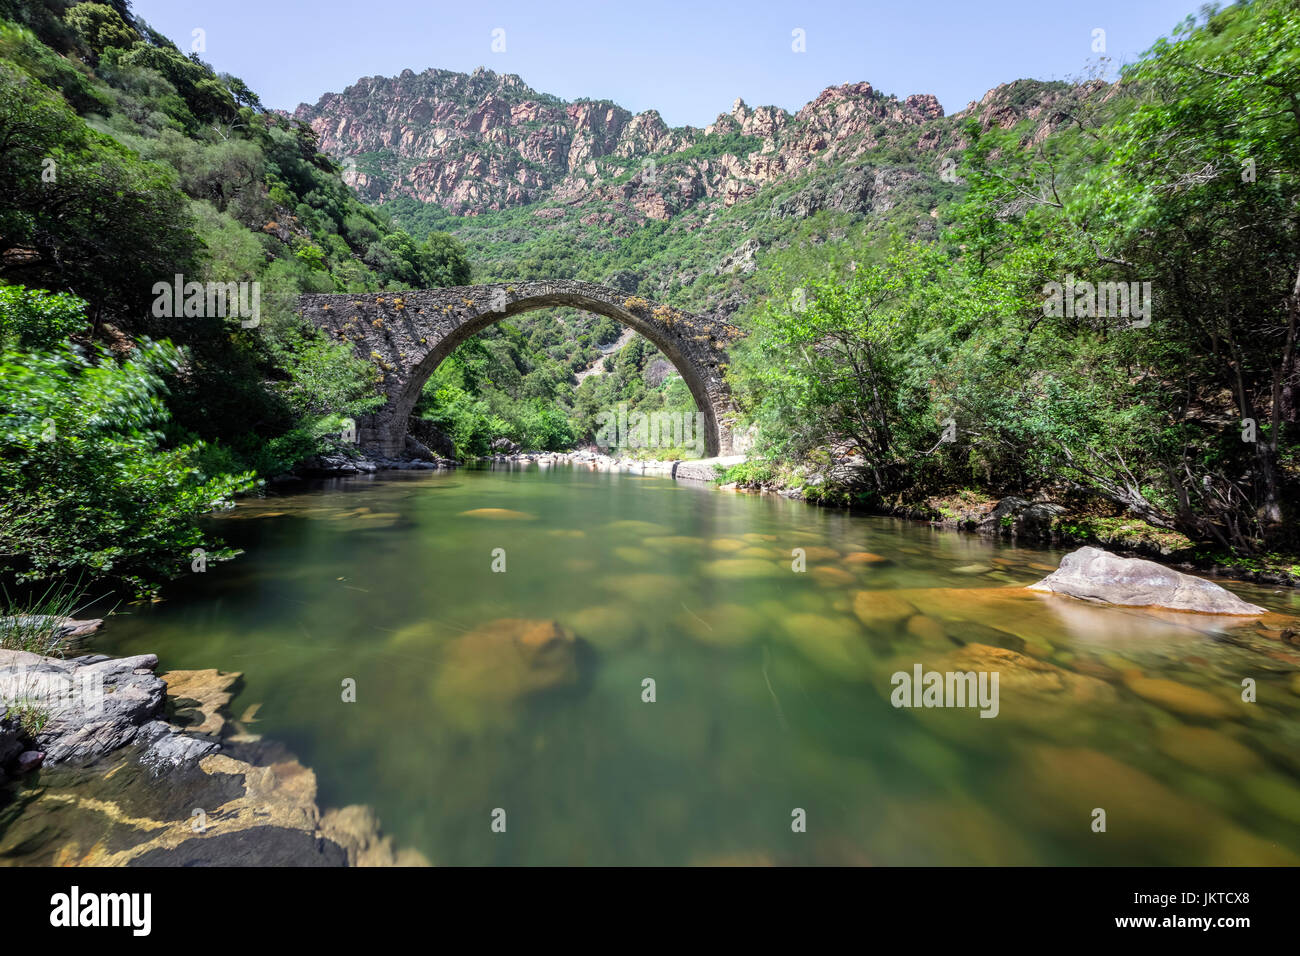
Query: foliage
x: 1185, y: 176
x: 58, y: 225
x: 38, y: 321
x: 90, y: 485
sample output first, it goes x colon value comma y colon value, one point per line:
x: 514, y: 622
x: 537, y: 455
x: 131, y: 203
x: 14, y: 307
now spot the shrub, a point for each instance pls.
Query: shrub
x: 90, y: 486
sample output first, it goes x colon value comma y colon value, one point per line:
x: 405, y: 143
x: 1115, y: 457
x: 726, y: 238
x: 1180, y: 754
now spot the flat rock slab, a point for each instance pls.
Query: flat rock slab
x: 95, y: 704
x: 1092, y: 574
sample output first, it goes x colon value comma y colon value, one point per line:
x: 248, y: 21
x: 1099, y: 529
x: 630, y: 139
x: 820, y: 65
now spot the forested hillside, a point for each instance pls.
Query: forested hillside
x: 125, y: 162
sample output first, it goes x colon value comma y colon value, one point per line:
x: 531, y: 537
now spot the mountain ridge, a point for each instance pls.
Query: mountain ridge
x: 484, y: 141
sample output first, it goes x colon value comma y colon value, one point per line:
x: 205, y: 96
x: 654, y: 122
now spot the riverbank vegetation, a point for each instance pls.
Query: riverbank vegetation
x: 124, y: 163
x: 945, y: 365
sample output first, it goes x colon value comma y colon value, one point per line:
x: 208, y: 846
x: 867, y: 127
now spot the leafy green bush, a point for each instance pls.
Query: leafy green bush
x: 35, y: 320
x: 90, y: 485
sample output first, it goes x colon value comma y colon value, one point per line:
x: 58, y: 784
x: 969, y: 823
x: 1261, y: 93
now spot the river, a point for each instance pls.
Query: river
x: 447, y: 600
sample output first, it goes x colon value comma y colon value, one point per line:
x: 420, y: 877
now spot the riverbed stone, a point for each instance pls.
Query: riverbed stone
x: 632, y: 555
x: 1206, y: 749
x: 738, y: 568
x: 926, y: 629
x: 1180, y: 698
x: 1058, y: 787
x: 834, y: 643
x: 726, y: 544
x: 864, y: 557
x: 1092, y: 574
x: 817, y: 552
x: 832, y: 576
x: 721, y: 625
x: 605, y: 626
x: 1021, y: 674
x: 356, y: 829
x: 498, y: 514
x: 507, y: 659
x: 879, y: 608
x: 199, y: 698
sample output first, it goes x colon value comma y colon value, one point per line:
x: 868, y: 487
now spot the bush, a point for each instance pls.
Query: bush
x: 32, y: 320
x: 90, y: 486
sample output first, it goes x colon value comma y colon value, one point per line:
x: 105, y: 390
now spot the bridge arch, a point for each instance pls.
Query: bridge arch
x: 409, y: 334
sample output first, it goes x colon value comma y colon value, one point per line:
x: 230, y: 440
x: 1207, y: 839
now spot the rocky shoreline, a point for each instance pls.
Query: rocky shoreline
x: 1040, y: 522
x: 84, y: 752
x: 339, y: 465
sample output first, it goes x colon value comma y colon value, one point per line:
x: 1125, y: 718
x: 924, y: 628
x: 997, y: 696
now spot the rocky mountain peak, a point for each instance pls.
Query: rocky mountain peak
x: 480, y: 141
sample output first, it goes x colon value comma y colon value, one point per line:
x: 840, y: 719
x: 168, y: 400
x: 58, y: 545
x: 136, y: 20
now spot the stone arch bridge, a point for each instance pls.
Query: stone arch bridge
x: 408, y: 334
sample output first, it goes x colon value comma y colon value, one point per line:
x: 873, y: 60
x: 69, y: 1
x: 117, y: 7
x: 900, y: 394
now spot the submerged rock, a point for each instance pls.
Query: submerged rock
x: 1092, y: 574
x: 1018, y: 674
x: 832, y: 576
x: 356, y: 830
x: 864, y: 557
x: 498, y: 514
x: 1180, y: 698
x: 721, y: 625
x: 738, y: 568
x: 836, y: 644
x: 881, y: 608
x: 505, y: 660
x: 1211, y: 751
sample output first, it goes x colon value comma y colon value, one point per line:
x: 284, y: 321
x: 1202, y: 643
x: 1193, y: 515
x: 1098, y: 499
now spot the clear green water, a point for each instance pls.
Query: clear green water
x: 772, y: 693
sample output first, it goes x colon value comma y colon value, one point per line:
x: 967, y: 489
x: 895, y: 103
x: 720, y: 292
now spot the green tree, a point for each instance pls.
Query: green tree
x: 82, y: 212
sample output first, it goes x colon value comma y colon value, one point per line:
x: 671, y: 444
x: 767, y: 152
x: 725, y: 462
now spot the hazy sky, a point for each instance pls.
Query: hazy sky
x: 689, y: 60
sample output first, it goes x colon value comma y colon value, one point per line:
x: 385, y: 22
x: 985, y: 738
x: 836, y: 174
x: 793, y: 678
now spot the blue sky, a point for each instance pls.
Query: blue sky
x: 689, y: 60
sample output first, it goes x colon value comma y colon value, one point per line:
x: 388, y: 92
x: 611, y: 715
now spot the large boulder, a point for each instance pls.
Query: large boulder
x: 1021, y: 518
x: 1096, y: 575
